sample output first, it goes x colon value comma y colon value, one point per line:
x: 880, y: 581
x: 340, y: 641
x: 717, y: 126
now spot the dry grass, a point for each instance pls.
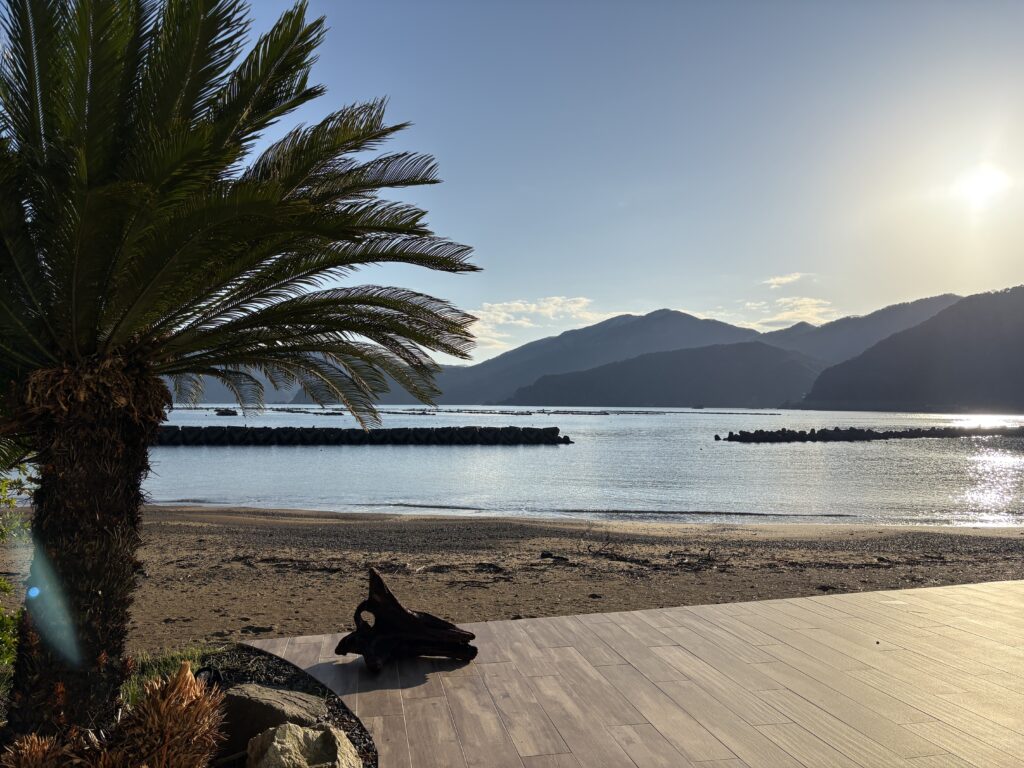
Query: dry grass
x: 175, y: 722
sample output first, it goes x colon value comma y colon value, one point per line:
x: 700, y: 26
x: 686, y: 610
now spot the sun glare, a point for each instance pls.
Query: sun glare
x: 981, y: 186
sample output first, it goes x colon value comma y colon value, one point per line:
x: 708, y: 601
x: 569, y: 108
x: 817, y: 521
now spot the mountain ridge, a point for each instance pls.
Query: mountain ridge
x: 748, y: 374
x: 961, y: 359
x: 847, y: 337
x: 613, y: 339
x: 496, y: 380
x: 627, y: 336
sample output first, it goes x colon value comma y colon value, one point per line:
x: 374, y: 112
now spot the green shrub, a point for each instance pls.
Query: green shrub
x: 14, y: 484
x: 8, y: 637
x: 13, y: 526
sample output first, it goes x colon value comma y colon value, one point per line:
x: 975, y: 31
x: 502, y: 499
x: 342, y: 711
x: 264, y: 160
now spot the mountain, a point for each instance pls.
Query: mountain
x: 788, y: 336
x: 849, y: 336
x: 617, y: 338
x: 966, y: 357
x: 745, y: 375
x: 626, y: 336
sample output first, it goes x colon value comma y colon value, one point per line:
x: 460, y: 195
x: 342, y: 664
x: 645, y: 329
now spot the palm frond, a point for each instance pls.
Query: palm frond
x: 306, y: 153
x: 272, y: 81
x: 186, y: 387
x: 194, y: 43
x: 246, y: 388
x: 134, y: 222
x: 308, y: 268
x: 31, y: 78
x: 13, y: 453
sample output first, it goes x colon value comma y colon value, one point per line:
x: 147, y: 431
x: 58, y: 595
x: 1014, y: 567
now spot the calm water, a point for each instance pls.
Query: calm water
x: 652, y: 464
x: 642, y: 465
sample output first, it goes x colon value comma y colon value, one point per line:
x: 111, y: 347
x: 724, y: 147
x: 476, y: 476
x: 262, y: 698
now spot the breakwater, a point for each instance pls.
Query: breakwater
x: 189, y: 436
x: 863, y: 434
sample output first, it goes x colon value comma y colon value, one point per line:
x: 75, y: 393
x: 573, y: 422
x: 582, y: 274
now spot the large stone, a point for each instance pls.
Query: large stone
x: 251, y: 709
x: 292, y: 746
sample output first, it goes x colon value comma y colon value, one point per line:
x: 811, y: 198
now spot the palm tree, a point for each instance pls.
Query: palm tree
x: 142, y: 241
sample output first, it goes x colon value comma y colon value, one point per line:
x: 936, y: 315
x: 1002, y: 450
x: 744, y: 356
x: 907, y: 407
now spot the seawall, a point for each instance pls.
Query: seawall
x: 192, y: 436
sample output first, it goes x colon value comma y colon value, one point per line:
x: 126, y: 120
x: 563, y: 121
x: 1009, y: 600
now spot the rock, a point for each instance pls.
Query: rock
x: 439, y: 568
x: 292, y: 746
x: 251, y: 709
x: 545, y: 555
x: 257, y: 629
x: 488, y: 568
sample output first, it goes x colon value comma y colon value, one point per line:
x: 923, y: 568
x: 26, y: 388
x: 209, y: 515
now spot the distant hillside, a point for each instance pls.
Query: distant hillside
x: 849, y: 336
x: 744, y: 375
x: 215, y: 392
x: 615, y: 339
x: 967, y: 357
x: 626, y: 336
x: 784, y: 337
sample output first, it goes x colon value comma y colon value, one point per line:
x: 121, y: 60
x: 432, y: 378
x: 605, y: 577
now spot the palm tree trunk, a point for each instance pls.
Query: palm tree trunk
x: 93, y: 457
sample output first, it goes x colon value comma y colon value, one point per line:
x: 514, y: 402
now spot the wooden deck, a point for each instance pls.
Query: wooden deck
x: 923, y: 678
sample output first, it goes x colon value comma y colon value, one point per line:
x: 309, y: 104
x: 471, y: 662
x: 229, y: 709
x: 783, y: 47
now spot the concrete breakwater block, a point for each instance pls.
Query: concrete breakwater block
x: 217, y: 435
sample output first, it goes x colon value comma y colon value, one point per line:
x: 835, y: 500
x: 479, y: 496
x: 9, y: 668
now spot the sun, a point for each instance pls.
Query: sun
x: 981, y: 186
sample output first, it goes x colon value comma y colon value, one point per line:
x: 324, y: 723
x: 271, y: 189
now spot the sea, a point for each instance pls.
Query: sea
x: 625, y: 464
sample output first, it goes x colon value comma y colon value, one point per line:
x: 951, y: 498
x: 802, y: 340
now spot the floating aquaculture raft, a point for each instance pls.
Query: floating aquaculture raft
x: 863, y: 434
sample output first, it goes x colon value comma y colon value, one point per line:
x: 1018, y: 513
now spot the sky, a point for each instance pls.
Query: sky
x: 761, y: 162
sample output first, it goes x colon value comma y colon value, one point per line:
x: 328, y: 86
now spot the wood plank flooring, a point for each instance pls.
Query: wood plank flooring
x: 919, y: 678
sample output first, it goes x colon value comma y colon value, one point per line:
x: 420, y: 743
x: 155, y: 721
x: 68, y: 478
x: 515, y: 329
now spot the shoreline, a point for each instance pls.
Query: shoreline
x: 574, y: 516
x: 226, y: 573
x: 645, y: 527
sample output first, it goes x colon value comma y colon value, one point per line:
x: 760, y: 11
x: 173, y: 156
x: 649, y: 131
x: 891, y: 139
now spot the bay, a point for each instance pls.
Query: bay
x: 648, y: 464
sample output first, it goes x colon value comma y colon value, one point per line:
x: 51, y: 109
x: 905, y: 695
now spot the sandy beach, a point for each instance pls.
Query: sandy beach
x: 217, y: 574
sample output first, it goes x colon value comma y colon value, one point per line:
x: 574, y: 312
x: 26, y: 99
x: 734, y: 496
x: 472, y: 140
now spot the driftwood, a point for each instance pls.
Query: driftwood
x: 398, y: 633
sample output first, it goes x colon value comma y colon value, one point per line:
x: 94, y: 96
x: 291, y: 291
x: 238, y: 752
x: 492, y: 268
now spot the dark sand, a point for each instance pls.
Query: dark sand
x: 214, y: 574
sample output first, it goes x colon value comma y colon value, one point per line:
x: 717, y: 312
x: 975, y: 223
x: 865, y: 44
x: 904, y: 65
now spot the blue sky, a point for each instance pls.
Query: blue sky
x: 759, y: 162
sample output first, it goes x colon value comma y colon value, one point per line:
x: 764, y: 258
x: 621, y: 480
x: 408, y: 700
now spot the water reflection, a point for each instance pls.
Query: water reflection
x: 996, y: 480
x: 985, y: 421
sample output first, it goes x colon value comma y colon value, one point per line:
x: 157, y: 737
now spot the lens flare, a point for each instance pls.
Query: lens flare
x: 48, y: 609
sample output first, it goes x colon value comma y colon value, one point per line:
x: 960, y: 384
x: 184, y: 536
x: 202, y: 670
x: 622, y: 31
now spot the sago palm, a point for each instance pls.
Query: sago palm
x: 143, y: 240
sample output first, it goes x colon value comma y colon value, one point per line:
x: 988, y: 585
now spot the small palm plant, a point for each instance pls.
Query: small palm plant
x: 143, y: 241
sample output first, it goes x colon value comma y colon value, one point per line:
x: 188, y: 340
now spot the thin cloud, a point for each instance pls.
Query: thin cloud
x: 799, y: 309
x: 496, y: 320
x: 780, y: 280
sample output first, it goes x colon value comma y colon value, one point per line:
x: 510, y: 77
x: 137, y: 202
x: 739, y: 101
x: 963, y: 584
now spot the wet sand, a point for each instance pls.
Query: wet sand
x: 216, y: 574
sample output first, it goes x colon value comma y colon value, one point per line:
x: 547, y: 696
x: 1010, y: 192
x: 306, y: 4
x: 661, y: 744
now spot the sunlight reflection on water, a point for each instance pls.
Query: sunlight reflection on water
x: 997, y: 481
x: 985, y: 421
